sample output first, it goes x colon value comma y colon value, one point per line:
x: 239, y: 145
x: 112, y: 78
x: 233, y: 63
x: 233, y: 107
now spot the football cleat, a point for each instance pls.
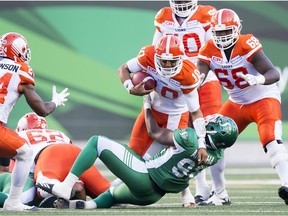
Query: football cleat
x: 199, y: 199
x: 283, y: 193
x: 69, y: 204
x: 48, y: 202
x: 58, y: 190
x: 45, y: 186
x: 12, y: 206
x: 214, y: 200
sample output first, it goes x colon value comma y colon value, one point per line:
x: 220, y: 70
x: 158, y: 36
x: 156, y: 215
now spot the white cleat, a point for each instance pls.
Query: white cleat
x: 12, y: 206
x: 58, y: 189
x: 215, y: 200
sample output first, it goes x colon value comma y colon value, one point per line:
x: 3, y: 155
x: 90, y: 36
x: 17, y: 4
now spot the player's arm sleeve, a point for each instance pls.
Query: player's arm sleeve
x: 26, y: 75
x: 251, y: 45
x: 192, y: 100
x: 133, y: 65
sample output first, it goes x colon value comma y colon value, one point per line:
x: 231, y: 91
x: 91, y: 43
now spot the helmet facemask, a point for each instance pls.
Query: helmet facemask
x: 228, y: 40
x: 169, y: 52
x: 167, y: 72
x: 183, y: 8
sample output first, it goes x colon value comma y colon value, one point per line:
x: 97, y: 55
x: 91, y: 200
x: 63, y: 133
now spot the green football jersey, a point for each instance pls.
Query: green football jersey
x: 172, y: 168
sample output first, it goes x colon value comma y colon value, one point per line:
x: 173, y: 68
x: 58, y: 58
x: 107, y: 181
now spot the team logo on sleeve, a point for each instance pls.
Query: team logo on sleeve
x: 183, y: 134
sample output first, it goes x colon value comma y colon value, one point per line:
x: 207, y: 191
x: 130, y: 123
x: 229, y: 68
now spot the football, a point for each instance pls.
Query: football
x: 139, y: 76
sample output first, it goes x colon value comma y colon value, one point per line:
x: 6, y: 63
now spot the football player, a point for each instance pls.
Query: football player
x: 250, y: 79
x: 190, y: 21
x: 167, y: 172
x: 175, y: 96
x: 17, y: 78
x: 53, y: 156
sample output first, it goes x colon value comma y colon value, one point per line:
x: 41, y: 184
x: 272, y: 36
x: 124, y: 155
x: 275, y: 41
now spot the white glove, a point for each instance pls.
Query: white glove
x: 59, y: 98
x: 253, y: 80
x: 147, y: 101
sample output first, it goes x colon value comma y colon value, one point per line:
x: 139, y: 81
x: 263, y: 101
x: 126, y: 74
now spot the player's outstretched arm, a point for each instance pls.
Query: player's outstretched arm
x: 36, y: 103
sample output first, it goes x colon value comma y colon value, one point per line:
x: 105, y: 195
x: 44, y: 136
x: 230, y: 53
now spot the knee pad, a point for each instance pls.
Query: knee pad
x: 276, y: 152
x: 24, y: 153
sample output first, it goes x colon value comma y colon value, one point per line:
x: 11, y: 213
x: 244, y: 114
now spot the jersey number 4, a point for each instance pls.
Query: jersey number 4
x: 4, y: 82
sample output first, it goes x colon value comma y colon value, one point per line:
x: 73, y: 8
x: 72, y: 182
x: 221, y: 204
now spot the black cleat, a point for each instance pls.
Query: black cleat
x: 45, y: 186
x: 69, y: 204
x: 48, y: 202
x: 80, y: 205
x: 199, y: 199
x: 283, y: 193
x: 61, y: 203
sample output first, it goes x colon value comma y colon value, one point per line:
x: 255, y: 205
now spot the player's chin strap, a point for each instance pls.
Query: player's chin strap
x: 276, y: 152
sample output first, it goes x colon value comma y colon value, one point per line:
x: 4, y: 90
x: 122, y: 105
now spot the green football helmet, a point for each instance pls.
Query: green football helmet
x: 221, y: 131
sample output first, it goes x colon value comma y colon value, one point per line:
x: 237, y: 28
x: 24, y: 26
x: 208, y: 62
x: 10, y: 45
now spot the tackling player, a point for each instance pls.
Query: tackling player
x: 17, y: 79
x: 250, y: 79
x: 167, y: 172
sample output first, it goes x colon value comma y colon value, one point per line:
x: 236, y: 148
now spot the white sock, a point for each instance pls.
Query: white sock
x: 15, y: 192
x: 20, y: 172
x: 217, y: 173
x: 282, y: 171
x: 202, y: 187
x: 70, y: 180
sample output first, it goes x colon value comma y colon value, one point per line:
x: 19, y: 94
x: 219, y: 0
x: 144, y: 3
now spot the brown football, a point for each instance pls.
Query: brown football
x: 140, y: 76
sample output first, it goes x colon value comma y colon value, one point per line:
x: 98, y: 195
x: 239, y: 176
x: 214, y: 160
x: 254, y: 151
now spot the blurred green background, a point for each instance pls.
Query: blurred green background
x: 80, y: 45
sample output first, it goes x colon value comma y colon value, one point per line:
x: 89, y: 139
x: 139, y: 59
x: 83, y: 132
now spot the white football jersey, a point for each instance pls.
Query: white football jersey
x: 12, y: 74
x: 227, y: 71
x: 38, y: 139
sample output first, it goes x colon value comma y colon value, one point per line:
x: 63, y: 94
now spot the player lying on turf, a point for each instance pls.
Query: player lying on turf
x: 50, y: 164
x: 145, y: 182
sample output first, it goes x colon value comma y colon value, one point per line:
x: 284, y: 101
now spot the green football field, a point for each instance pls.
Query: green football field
x: 253, y: 191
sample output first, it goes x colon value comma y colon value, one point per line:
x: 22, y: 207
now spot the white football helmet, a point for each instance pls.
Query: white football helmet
x: 14, y: 46
x: 169, y: 48
x: 224, y: 20
x: 31, y: 121
x: 183, y: 8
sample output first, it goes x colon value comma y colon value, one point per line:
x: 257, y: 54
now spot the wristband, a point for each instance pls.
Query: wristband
x: 128, y: 85
x: 146, y: 102
x: 201, y: 142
